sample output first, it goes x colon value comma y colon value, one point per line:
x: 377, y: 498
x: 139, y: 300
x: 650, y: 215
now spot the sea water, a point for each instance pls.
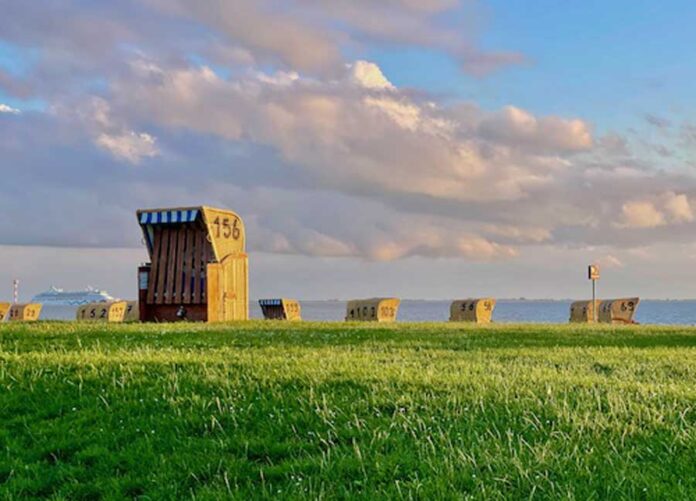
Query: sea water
x: 649, y: 311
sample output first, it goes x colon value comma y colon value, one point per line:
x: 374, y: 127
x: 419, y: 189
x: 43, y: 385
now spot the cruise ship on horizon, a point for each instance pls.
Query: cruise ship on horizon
x: 58, y: 296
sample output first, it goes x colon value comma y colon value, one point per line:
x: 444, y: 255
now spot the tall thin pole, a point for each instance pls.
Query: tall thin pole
x: 15, y: 290
x: 594, y: 302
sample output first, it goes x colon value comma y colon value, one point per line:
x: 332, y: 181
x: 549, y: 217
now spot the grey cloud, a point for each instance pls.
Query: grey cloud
x: 657, y: 121
x: 374, y: 143
x: 266, y: 32
x: 14, y: 86
x: 378, y: 163
x: 613, y: 144
x: 483, y: 63
x: 331, y: 161
x: 663, y: 150
x: 82, y: 198
x: 300, y: 34
x: 688, y: 134
x: 415, y: 23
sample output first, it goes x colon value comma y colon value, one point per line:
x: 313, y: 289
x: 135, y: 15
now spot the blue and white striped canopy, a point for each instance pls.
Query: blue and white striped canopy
x: 149, y: 218
x: 169, y: 216
x: 270, y: 302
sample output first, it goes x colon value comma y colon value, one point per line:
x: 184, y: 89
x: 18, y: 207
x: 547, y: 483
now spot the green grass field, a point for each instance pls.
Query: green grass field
x: 332, y: 410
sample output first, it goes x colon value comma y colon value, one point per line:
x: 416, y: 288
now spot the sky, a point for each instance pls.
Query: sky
x: 417, y: 148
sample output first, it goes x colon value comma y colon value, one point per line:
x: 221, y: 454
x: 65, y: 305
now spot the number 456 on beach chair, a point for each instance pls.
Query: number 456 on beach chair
x: 198, y: 266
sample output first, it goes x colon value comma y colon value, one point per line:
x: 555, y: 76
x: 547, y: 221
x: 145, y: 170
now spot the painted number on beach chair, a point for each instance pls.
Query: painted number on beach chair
x: 225, y: 229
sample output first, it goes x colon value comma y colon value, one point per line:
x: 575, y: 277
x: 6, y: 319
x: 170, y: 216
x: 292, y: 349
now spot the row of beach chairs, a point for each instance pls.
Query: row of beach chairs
x: 110, y: 311
x: 379, y: 309
x: 480, y: 311
x: 20, y: 312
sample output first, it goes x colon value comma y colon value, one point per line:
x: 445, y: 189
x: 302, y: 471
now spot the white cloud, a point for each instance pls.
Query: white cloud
x: 520, y: 128
x: 4, y: 108
x: 130, y: 146
x: 668, y: 208
x: 278, y: 78
x: 678, y: 208
x: 480, y: 249
x: 610, y: 261
x: 359, y: 140
x: 111, y: 134
x: 519, y: 233
x: 498, y: 172
x: 369, y: 75
x: 641, y: 214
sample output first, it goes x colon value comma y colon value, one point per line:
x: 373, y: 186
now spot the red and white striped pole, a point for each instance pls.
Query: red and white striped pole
x: 15, y: 286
